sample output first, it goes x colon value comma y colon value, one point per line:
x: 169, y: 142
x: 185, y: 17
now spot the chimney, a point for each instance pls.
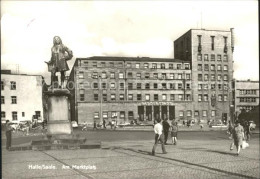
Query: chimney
x: 232, y: 39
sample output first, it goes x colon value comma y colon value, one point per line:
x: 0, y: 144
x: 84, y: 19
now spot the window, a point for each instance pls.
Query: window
x: 199, y: 57
x: 187, y: 66
x: 205, y: 86
x: 213, y: 86
x: 96, y: 115
x: 181, y: 113
x: 121, y: 97
x: 155, y: 97
x: 189, y: 113
x: 120, y: 64
x: 225, y: 58
x: 178, y: 66
x: 2, y: 114
x: 146, y: 65
x: 172, y: 97
x: 131, y: 115
x: 113, y: 97
x: 130, y: 75
x: 2, y: 85
x: 104, y: 97
x: 138, y: 75
x: 199, y: 86
x: 94, y: 75
x: 212, y: 57
x: 105, y: 116
x: 14, y: 115
x: 179, y: 85
x: 130, y: 97
x: 213, y: 113
x: 162, y: 66
x: 171, y: 76
x: 104, y: 85
x: 206, y: 97
x: 14, y: 99
x: 212, y: 77
x: 212, y: 67
x: 196, y: 113
x: 204, y: 113
x: 164, y: 97
x: 121, y: 75
x: 163, y: 75
x: 13, y: 85
x: 147, y: 75
x: 187, y: 85
x: 219, y: 86
x: 137, y: 65
x: 219, y: 68
x: 188, y: 76
x: 206, y: 77
x: 218, y: 57
x: 138, y: 86
x: 188, y: 97
x: 128, y: 65
x: 225, y: 97
x: 114, y: 114
x: 147, y: 97
x: 172, y: 85
x: 200, y: 77
x: 219, y: 97
x: 111, y: 64
x: 122, y: 86
x: 179, y: 76
x: 94, y: 64
x: 206, y: 57
x: 103, y: 64
x: 112, y: 86
x: 164, y: 86
x: 206, y: 67
x: 2, y: 100
x: 82, y: 95
x: 147, y: 85
x: 155, y: 86
x: 199, y: 97
x: 154, y: 65
x: 170, y: 66
x: 155, y: 75
x: 225, y: 68
x: 225, y: 86
x: 180, y: 97
x: 225, y: 77
x: 122, y: 114
x: 130, y: 85
x: 219, y: 77
x: 139, y: 97
x: 200, y: 67
x: 95, y: 97
x: 112, y: 75
x: 212, y: 42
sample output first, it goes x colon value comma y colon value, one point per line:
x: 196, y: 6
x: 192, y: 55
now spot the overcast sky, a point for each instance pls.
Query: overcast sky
x: 121, y: 28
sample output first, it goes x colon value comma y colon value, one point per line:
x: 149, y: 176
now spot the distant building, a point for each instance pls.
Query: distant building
x: 21, y: 97
x: 246, y: 95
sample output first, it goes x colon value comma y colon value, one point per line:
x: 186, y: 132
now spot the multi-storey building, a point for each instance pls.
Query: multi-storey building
x: 21, y: 97
x: 125, y: 88
x: 211, y: 54
x: 246, y: 95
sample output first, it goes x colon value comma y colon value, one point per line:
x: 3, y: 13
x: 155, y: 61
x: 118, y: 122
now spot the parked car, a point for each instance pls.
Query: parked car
x: 74, y: 124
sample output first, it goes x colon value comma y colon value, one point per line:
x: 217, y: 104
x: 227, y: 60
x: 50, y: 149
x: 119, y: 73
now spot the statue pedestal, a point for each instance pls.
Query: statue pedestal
x: 58, y: 112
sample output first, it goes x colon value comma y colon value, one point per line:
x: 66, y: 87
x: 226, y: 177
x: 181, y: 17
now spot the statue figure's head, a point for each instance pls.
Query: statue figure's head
x: 57, y: 40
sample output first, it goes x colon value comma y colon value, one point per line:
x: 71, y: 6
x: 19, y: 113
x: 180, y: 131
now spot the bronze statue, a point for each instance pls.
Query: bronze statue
x: 60, y: 54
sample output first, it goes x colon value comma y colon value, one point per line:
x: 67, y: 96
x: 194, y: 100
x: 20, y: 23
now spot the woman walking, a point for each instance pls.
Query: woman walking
x: 174, y: 131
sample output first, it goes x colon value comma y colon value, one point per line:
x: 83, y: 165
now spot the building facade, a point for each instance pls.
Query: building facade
x: 246, y: 95
x: 125, y: 88
x: 21, y: 97
x: 211, y: 54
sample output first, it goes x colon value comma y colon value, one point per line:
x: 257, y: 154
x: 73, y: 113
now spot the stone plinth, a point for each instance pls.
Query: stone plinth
x: 58, y: 112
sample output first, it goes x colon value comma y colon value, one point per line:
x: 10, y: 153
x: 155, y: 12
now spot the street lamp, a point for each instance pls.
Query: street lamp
x: 232, y: 113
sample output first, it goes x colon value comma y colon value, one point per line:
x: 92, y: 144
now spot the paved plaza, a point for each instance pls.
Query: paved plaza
x: 132, y: 159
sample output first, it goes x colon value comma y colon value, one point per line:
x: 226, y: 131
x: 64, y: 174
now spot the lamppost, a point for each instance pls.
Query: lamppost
x: 232, y: 113
x: 100, y: 87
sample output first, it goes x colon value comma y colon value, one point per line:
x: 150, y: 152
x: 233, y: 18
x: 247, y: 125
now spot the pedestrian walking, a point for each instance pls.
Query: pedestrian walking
x: 158, y: 130
x: 104, y: 124
x: 8, y: 133
x: 247, y: 131
x: 174, y: 131
x: 238, y: 136
x: 166, y: 127
x: 230, y: 130
x: 85, y: 126
x: 95, y: 126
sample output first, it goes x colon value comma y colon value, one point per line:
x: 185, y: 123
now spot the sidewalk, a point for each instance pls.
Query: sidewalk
x: 189, y: 159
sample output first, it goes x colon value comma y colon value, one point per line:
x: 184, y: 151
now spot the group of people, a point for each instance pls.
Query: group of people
x: 239, y: 133
x: 162, y: 129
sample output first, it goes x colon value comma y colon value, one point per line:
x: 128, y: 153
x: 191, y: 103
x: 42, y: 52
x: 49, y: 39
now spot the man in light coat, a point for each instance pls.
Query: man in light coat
x: 158, y: 130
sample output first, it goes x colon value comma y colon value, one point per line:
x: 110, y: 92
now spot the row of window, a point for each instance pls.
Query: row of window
x: 139, y: 97
x: 212, y: 57
x: 197, y: 113
x: 212, y: 77
x: 213, y: 86
x: 249, y: 100
x: 13, y: 100
x: 247, y: 108
x: 212, y: 67
x: 139, y: 65
x: 212, y: 43
x: 121, y: 75
x: 131, y: 86
x: 12, y: 85
x: 14, y: 115
x: 247, y: 91
x: 205, y: 97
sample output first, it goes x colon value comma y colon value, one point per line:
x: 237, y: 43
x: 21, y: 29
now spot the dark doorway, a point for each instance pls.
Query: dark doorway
x: 156, y: 112
x: 141, y: 113
x: 149, y: 113
x: 172, y: 112
x: 164, y: 112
